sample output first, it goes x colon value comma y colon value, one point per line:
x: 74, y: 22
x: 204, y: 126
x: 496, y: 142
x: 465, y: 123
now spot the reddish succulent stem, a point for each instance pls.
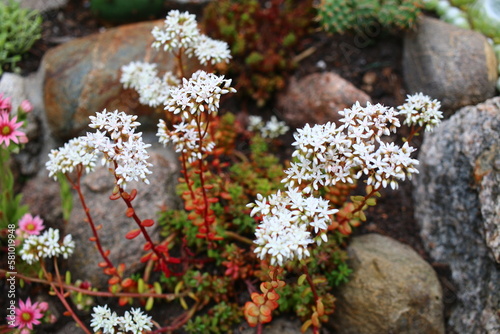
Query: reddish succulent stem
x: 60, y: 295
x: 77, y: 187
x: 67, y: 287
x: 413, y: 131
x: 185, y: 173
x: 360, y: 206
x: 305, y: 270
x: 206, y: 204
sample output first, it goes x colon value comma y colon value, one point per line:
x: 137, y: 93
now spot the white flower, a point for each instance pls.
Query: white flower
x: 67, y: 158
x: 121, y: 146
x: 136, y: 74
x: 180, y: 31
x: 46, y: 245
x: 211, y: 50
x: 186, y: 139
x: 143, y: 77
x: 134, y: 321
x: 255, y: 123
x: 198, y: 94
x: 274, y: 128
x: 420, y: 109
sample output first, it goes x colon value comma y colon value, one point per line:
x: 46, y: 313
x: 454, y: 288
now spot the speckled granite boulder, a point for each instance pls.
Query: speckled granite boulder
x: 457, y: 204
x: 454, y: 65
x: 391, y: 290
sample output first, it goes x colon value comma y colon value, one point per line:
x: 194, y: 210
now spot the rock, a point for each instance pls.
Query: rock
x: 42, y: 5
x: 391, y: 290
x: 82, y: 77
x: 316, y: 99
x: 457, y: 196
x: 454, y: 65
x: 97, y: 187
x: 42, y: 195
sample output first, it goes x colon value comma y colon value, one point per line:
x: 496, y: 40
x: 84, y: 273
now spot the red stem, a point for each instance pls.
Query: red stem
x: 167, y: 296
x: 61, y: 297
x: 77, y: 187
x: 206, y: 204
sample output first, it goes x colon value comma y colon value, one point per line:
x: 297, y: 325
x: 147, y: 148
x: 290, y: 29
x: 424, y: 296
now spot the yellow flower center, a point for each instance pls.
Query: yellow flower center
x: 6, y: 130
x: 30, y: 227
x: 26, y: 316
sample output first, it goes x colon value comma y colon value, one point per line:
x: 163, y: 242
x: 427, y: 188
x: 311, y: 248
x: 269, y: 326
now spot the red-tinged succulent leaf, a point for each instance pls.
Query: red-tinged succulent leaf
x: 114, y: 197
x: 132, y: 234
x: 147, y: 246
x: 257, y: 298
x: 123, y: 301
x: 147, y: 222
x: 265, y: 310
x: 127, y: 282
x: 133, y: 194
x: 272, y: 295
x: 251, y: 309
x: 130, y: 212
x: 113, y: 280
x: 252, y: 321
x: 102, y: 264
x: 315, y: 320
x: 320, y: 308
x: 146, y: 257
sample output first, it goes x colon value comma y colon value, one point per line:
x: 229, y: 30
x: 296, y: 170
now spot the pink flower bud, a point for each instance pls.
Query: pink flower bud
x: 26, y: 106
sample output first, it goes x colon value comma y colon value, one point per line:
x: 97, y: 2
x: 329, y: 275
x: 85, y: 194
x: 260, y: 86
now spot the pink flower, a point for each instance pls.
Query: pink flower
x: 5, y: 104
x: 27, y: 314
x: 26, y: 106
x: 30, y: 225
x: 8, y: 130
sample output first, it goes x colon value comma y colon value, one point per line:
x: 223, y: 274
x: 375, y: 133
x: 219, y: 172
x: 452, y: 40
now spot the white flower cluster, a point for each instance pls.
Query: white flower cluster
x: 116, y: 139
x: 291, y: 221
x: 271, y: 129
x: 324, y: 155
x: 186, y: 138
x: 143, y: 77
x: 65, y: 159
x: 181, y: 32
x: 110, y: 323
x: 121, y: 146
x: 46, y: 245
x: 202, y: 91
x: 420, y: 109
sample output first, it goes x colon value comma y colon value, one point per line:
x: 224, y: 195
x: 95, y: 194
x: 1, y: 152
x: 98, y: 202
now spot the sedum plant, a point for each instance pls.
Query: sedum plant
x: 19, y: 29
x: 340, y: 16
x: 256, y: 236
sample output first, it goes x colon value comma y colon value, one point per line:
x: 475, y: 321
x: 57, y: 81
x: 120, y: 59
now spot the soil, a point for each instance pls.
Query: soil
x: 370, y: 60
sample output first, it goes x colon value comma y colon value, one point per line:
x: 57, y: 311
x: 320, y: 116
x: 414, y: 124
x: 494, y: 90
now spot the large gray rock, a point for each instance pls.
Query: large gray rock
x: 97, y: 187
x: 391, y: 290
x: 317, y: 98
x: 457, y: 198
x: 454, y: 65
x: 82, y: 77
